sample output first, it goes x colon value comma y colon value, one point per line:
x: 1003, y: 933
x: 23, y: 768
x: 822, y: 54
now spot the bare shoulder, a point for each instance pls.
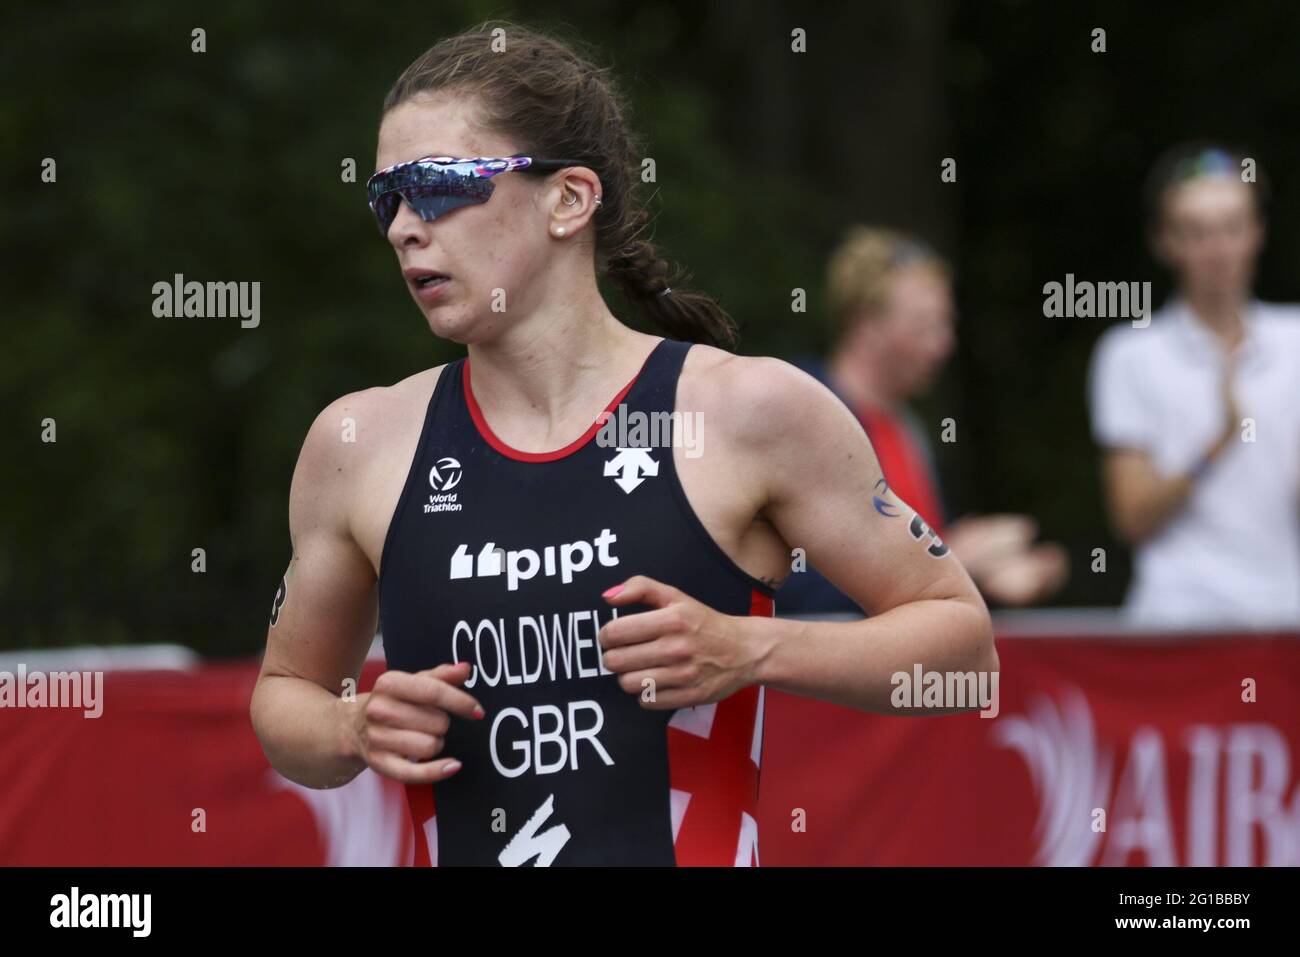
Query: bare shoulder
x: 352, y: 436
x: 759, y: 400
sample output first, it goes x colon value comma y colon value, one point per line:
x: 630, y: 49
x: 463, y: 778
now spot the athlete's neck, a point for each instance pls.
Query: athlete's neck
x: 543, y: 383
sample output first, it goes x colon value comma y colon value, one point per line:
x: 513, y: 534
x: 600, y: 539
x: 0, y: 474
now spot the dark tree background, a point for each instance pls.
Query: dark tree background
x: 178, y: 434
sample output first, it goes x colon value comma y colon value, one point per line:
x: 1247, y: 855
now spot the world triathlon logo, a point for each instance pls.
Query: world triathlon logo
x: 443, y: 477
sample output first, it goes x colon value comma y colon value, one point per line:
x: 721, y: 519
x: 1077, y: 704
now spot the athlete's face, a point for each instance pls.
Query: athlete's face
x: 914, y: 334
x: 493, y: 252
x: 1210, y: 236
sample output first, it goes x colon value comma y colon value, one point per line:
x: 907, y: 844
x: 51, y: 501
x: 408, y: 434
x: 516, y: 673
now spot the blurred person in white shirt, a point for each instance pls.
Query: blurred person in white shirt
x: 1198, y: 413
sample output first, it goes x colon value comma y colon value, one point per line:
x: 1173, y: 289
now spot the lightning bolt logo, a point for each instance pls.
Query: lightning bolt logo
x: 528, y: 844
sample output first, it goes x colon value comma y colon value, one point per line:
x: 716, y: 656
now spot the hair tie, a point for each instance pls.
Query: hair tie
x: 665, y: 291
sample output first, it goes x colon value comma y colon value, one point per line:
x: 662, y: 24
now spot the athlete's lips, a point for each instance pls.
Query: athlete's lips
x: 415, y: 274
x: 427, y: 283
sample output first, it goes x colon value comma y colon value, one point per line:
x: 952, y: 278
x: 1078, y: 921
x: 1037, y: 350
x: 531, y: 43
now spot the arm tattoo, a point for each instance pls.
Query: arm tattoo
x: 885, y: 508
x: 280, y: 594
x: 920, y: 531
x: 935, y: 547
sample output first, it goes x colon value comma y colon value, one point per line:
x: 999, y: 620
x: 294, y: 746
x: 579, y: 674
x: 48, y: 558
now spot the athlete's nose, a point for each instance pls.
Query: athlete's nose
x: 407, y: 228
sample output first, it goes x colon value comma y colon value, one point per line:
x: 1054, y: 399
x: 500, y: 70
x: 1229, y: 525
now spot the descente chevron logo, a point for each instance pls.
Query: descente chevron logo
x: 522, y: 564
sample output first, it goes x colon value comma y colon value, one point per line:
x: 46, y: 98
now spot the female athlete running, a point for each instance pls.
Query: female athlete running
x: 571, y: 537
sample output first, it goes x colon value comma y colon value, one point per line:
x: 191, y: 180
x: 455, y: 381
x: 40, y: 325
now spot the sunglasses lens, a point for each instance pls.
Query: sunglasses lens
x: 385, y: 208
x: 434, y: 201
x: 429, y: 189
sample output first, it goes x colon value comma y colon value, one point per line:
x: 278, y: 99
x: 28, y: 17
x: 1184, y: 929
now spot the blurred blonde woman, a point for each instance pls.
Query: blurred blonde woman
x: 890, y: 298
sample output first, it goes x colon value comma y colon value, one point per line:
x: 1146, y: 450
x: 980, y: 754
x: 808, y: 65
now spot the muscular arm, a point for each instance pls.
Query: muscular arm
x: 326, y: 621
x: 822, y: 490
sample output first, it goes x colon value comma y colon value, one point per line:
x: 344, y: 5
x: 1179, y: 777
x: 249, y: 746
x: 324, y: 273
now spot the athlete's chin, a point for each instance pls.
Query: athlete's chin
x: 454, y: 324
x: 451, y: 331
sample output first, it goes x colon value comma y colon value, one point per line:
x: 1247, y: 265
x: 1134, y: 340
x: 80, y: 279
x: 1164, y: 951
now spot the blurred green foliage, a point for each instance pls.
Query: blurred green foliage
x: 177, y: 434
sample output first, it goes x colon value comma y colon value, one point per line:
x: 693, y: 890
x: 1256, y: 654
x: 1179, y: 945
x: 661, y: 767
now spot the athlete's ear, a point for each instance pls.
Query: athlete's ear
x: 575, y: 202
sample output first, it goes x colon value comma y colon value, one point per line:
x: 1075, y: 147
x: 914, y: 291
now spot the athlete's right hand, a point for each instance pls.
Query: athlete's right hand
x: 400, y: 729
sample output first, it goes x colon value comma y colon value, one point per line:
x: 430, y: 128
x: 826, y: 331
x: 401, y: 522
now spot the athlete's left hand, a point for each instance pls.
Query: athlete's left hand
x: 681, y: 653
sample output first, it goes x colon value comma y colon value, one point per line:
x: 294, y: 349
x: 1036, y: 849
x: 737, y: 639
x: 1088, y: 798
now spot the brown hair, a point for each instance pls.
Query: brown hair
x: 861, y: 267
x: 551, y: 99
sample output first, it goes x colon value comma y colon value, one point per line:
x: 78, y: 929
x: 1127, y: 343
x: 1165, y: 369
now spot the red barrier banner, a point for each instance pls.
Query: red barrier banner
x: 172, y: 774
x: 1139, y: 751
x: 1133, y: 751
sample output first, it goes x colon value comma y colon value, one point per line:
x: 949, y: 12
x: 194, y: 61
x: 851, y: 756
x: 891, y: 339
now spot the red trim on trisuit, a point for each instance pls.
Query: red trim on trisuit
x: 511, y: 452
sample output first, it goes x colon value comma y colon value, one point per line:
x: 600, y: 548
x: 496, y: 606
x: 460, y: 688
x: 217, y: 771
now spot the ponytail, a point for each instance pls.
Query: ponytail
x: 655, y: 288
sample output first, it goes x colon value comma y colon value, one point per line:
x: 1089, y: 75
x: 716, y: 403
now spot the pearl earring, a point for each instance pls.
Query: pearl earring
x: 559, y: 230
